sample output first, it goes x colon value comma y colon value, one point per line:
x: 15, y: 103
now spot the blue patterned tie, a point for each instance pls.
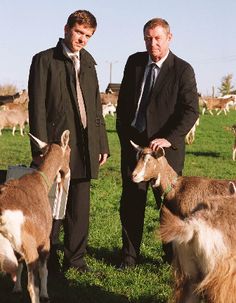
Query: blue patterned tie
x: 140, y: 123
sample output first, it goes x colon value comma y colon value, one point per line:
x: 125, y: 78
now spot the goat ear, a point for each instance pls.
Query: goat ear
x: 65, y: 137
x: 40, y: 144
x: 160, y: 152
x: 137, y: 147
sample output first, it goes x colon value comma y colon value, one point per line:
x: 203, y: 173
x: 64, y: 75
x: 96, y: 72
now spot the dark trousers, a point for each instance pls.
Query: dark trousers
x: 133, y: 202
x: 76, y: 223
x: 132, y: 212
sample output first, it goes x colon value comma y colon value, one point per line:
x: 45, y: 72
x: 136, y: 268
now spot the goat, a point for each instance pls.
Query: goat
x: 204, y: 246
x: 190, y: 137
x: 9, y: 98
x: 12, y: 118
x: 19, y: 97
x: 109, y: 98
x: 176, y: 190
x: 26, y: 217
x: 108, y: 109
x: 232, y: 103
x: 232, y: 129
x: 221, y: 104
x: 183, y: 196
x: 14, y: 106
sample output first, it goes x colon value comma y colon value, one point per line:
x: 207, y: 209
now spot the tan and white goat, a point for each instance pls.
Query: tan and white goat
x: 13, y: 118
x: 26, y: 218
x: 204, y: 246
x: 183, y: 196
x: 218, y: 104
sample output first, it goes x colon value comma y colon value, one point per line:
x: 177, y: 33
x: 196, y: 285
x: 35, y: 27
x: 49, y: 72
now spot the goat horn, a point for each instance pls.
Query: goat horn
x: 136, y: 146
x: 38, y: 142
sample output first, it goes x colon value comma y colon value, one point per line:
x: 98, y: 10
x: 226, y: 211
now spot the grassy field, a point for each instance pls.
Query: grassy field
x: 210, y: 155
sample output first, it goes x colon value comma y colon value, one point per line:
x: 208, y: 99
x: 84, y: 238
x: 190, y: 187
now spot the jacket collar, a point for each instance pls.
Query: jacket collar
x: 140, y: 68
x: 85, y: 57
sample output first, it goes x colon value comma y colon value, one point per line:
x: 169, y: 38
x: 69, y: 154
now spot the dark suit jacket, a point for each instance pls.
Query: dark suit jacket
x: 53, y: 107
x: 172, y: 109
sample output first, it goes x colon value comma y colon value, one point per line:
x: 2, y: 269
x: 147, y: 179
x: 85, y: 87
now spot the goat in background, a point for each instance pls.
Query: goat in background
x: 233, y: 130
x: 26, y: 218
x: 13, y: 118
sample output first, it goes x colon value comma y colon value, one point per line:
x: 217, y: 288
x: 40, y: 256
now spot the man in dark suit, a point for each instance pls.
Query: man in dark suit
x: 64, y: 94
x: 157, y: 106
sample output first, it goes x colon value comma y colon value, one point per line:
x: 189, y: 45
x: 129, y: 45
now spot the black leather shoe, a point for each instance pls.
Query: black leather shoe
x: 83, y: 269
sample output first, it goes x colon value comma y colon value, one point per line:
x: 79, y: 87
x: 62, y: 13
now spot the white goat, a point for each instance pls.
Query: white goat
x: 26, y: 218
x: 12, y: 118
x: 108, y: 109
x: 183, y: 196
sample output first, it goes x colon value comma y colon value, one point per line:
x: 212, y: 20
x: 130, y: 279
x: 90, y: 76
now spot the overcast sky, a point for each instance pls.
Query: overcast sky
x: 204, y: 34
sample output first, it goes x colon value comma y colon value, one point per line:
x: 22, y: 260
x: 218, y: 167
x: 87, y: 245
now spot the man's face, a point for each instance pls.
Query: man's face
x: 77, y: 37
x: 157, y: 42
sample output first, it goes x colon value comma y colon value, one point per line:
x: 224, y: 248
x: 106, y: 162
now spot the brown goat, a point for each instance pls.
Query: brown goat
x: 221, y: 104
x: 26, y: 217
x: 183, y: 196
x: 107, y: 98
x: 205, y: 251
x: 177, y: 190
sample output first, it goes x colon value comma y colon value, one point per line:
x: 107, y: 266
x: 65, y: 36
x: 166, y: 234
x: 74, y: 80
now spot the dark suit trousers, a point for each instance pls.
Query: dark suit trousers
x: 133, y: 202
x: 76, y: 223
x: 132, y: 213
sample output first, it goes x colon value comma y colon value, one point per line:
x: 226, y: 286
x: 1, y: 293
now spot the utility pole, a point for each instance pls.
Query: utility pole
x: 110, y: 70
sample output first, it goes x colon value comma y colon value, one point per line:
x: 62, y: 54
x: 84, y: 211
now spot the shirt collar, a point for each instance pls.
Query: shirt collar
x: 69, y: 52
x: 160, y: 62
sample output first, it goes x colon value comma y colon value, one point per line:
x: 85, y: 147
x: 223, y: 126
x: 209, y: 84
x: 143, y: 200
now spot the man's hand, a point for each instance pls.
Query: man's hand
x: 159, y: 142
x: 102, y: 159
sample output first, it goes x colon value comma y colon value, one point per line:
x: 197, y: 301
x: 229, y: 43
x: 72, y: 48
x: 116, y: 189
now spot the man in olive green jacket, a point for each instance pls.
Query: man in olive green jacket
x: 54, y: 107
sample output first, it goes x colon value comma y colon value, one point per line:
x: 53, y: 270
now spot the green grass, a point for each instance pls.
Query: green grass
x: 210, y: 155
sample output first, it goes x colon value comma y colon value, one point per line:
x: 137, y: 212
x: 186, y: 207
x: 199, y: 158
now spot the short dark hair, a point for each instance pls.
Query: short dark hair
x: 82, y: 17
x: 157, y: 22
